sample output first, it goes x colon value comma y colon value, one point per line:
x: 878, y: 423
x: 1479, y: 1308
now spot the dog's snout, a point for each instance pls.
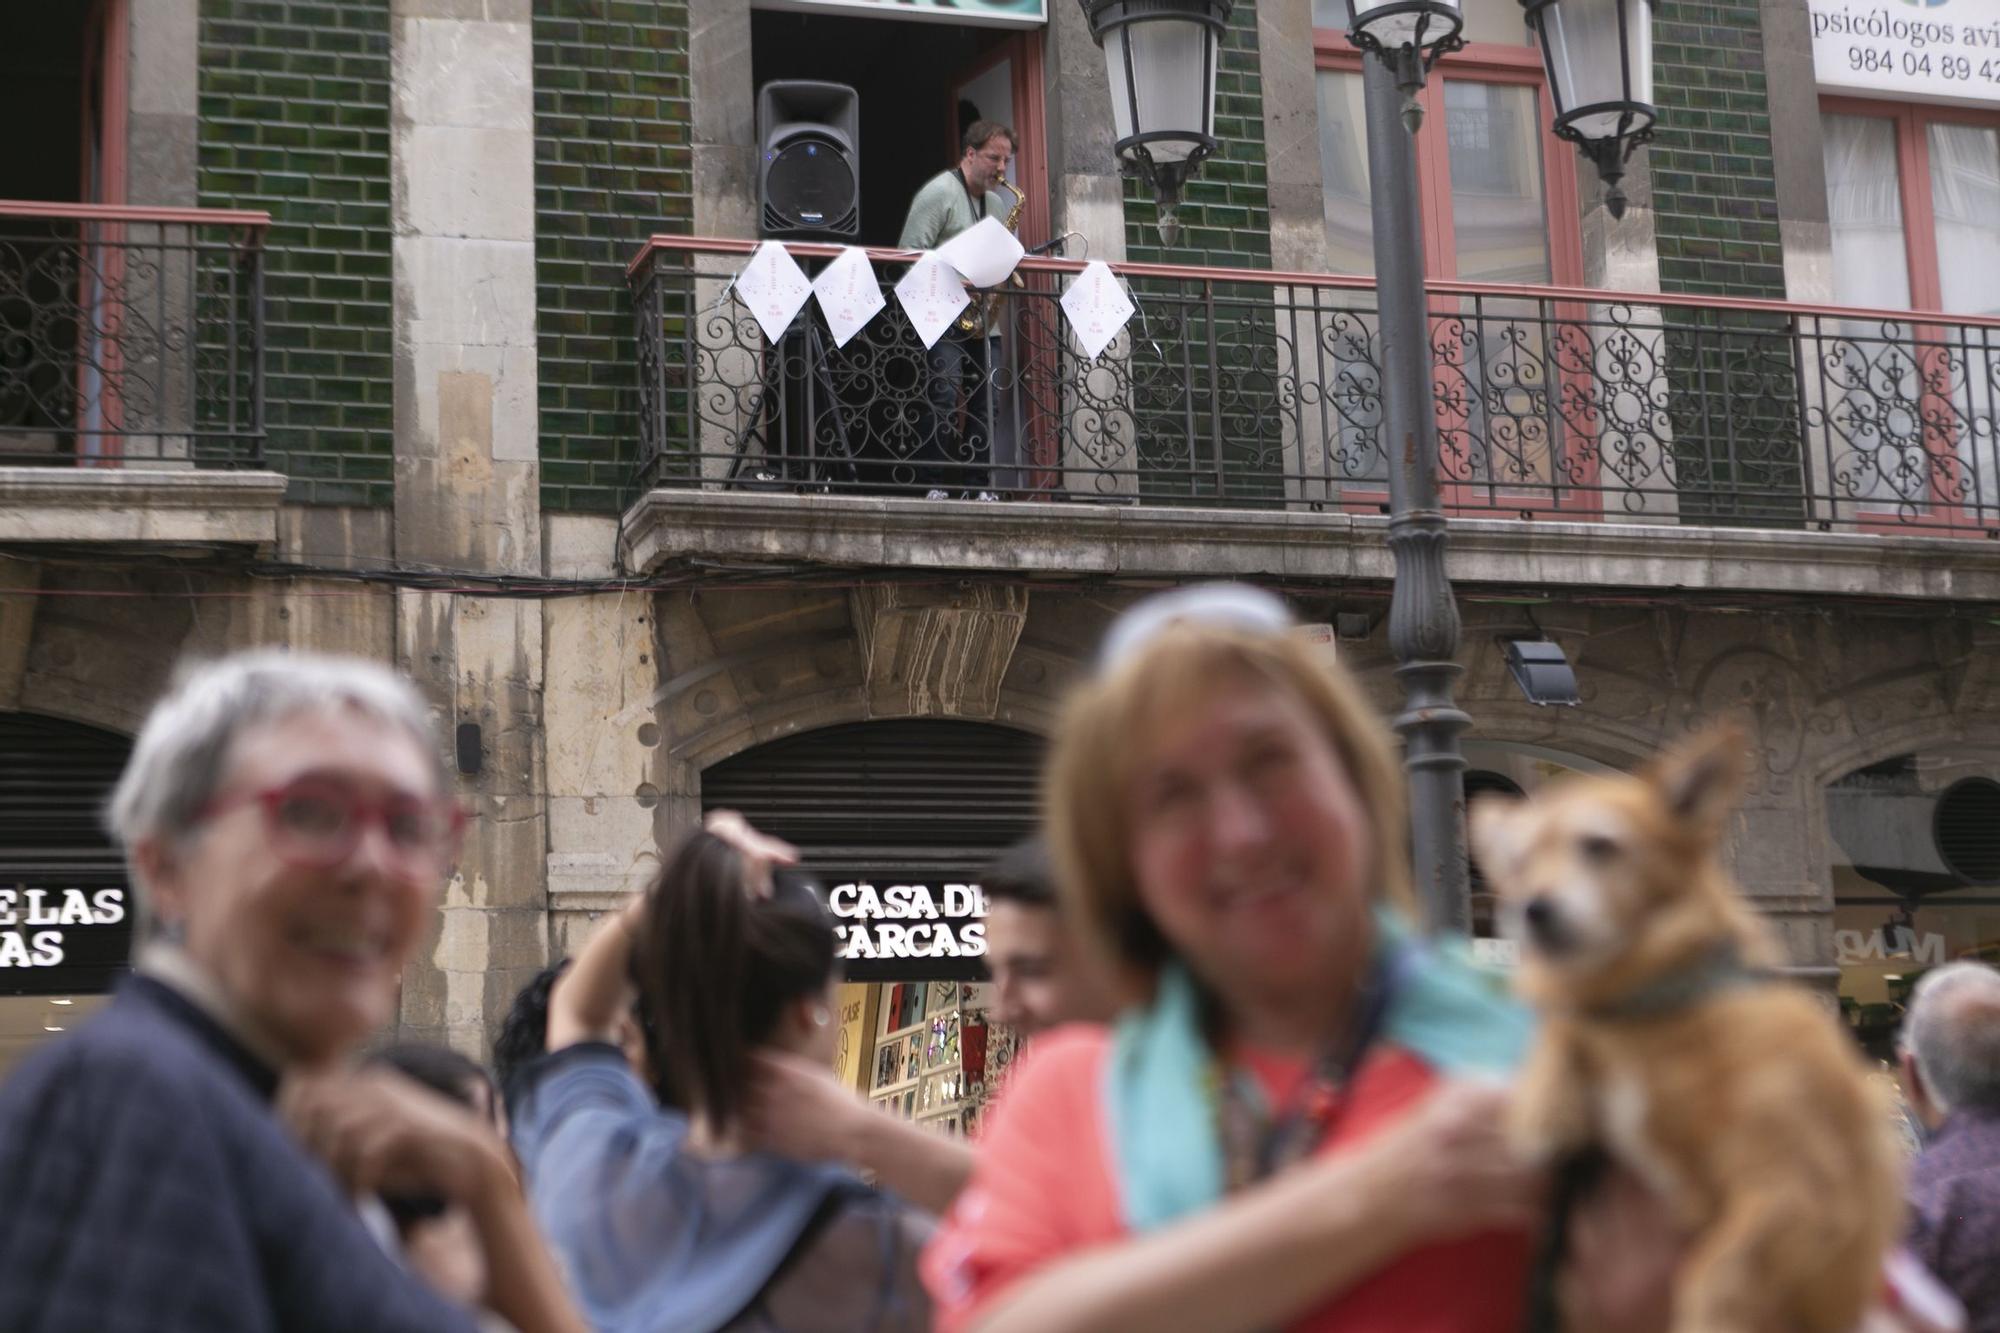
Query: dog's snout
x: 1543, y: 919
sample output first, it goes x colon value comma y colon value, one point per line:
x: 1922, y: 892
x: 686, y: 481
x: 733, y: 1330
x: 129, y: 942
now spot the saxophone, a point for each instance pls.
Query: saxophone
x: 974, y: 318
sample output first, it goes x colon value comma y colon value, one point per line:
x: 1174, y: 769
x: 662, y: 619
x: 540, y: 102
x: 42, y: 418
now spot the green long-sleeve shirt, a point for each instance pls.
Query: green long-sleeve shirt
x: 942, y: 209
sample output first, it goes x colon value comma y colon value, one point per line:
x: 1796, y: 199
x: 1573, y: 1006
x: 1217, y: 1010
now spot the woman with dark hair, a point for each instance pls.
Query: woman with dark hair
x: 664, y: 1217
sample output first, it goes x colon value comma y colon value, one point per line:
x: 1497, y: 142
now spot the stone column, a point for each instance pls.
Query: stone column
x: 724, y: 107
x: 1086, y: 194
x: 157, y: 281
x: 468, y: 477
x: 162, y: 117
x: 603, y: 783
x: 1797, y: 160
x: 1303, y: 317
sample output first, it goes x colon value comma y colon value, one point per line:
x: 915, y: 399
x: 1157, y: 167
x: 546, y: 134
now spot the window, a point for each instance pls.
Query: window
x: 1488, y: 164
x: 1913, y: 198
x: 1498, y: 193
x: 1913, y: 205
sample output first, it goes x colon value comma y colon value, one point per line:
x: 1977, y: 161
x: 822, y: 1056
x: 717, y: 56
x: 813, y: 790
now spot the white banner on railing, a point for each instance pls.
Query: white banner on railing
x: 849, y: 294
x: 932, y: 296
x: 774, y: 287
x: 1097, y: 306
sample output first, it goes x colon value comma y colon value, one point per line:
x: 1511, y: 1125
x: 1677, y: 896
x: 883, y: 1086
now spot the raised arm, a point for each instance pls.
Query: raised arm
x: 590, y: 999
x: 800, y: 1110
x: 381, y: 1132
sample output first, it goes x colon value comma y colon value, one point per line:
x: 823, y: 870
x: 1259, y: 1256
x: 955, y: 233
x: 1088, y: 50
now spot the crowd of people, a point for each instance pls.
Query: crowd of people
x: 1253, y: 1096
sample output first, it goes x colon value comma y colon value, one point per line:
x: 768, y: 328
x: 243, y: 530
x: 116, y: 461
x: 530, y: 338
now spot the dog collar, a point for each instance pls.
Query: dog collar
x: 1719, y: 969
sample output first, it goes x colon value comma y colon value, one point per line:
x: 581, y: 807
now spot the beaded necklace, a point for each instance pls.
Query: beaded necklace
x: 1257, y: 1144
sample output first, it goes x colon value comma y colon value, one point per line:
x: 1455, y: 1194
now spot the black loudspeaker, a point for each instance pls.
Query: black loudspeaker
x: 809, y: 178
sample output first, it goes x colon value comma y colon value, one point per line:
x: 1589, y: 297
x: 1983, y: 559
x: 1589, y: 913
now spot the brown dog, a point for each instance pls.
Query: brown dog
x: 1668, y: 1044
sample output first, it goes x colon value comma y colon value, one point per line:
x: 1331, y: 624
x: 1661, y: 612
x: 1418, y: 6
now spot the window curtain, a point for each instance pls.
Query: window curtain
x: 1965, y: 196
x: 1870, y: 265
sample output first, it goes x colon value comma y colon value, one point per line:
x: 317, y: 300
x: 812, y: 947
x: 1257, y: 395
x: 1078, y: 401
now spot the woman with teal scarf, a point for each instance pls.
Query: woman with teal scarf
x: 1288, y: 1127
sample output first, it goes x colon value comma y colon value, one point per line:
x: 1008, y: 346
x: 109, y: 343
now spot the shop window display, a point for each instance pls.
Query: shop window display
x: 937, y: 1056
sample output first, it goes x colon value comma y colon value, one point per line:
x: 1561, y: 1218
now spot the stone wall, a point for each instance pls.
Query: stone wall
x: 1821, y: 692
x: 612, y: 166
x: 294, y: 119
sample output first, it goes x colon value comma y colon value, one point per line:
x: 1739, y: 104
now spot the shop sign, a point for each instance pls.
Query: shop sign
x: 59, y: 941
x: 898, y: 930
x: 988, y: 13
x: 1911, y: 50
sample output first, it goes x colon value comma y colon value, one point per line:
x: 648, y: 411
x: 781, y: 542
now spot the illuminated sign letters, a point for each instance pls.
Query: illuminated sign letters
x: 35, y: 923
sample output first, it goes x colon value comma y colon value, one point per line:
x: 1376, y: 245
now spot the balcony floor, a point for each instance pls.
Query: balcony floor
x: 1165, y: 542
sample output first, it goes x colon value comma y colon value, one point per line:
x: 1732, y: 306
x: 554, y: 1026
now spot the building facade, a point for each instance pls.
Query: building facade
x: 400, y: 327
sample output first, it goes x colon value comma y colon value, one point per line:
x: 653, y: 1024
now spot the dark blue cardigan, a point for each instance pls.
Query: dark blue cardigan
x: 146, y: 1187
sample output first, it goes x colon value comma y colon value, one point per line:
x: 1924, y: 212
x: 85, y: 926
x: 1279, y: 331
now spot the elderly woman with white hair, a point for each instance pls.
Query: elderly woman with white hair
x: 288, y: 830
x: 1951, y: 1069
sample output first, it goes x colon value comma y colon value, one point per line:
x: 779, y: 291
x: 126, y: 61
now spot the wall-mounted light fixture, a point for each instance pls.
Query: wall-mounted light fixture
x: 1542, y: 671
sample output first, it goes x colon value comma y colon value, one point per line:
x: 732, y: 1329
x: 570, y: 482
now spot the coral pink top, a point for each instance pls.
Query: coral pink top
x: 1043, y: 1187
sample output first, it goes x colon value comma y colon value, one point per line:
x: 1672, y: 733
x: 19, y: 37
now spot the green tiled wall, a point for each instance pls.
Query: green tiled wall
x: 295, y: 121
x: 1713, y: 187
x: 1225, y: 211
x: 612, y: 166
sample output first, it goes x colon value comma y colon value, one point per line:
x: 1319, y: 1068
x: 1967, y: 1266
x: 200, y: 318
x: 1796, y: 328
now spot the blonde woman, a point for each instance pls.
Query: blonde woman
x: 1266, y: 1139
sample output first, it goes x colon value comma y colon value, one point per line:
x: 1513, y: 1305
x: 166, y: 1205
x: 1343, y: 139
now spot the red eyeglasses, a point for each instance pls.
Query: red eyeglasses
x: 318, y: 822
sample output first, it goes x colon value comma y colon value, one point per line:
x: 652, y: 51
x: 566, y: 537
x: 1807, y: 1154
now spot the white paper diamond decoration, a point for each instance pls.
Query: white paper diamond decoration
x: 774, y: 287
x: 849, y: 294
x: 984, y: 253
x: 1097, y: 306
x: 932, y: 296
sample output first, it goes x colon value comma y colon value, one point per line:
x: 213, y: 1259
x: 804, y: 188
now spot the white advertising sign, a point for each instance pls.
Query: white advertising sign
x: 1910, y: 50
x: 989, y: 13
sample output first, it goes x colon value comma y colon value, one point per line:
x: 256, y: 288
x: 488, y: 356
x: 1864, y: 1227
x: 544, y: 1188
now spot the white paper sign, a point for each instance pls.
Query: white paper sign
x: 1097, y: 306
x: 849, y: 295
x: 774, y: 287
x: 984, y: 253
x: 1935, y: 51
x: 932, y: 296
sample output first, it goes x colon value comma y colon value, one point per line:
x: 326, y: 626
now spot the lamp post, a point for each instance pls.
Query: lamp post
x: 1599, y: 55
x: 1402, y: 39
x: 1160, y: 56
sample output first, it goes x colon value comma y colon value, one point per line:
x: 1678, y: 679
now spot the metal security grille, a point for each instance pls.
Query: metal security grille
x: 54, y: 778
x: 919, y: 798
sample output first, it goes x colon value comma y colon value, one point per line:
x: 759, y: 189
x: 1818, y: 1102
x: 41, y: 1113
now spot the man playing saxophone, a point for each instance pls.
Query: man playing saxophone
x: 954, y: 459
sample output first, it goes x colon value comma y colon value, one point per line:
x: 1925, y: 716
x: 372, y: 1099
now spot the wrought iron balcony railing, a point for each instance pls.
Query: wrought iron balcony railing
x: 131, y: 334
x: 1264, y: 389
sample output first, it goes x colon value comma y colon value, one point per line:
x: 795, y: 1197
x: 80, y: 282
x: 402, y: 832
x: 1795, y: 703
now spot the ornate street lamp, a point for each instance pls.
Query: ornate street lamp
x: 1599, y: 55
x: 1409, y: 36
x: 1161, y: 57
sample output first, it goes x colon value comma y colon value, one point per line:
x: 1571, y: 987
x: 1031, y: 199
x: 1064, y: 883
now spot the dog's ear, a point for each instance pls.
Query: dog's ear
x: 1487, y: 827
x: 1702, y: 776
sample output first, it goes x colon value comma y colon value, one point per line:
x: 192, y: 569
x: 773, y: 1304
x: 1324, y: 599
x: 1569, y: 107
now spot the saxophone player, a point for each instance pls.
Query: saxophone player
x: 952, y: 458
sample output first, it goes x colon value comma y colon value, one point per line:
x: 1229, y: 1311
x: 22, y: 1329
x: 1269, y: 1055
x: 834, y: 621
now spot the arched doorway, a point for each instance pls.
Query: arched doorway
x: 895, y: 819
x: 65, y: 906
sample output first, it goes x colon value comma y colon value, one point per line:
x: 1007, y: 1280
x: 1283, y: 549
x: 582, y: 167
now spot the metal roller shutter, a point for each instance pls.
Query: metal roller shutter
x: 906, y: 803
x: 54, y: 778
x: 929, y: 798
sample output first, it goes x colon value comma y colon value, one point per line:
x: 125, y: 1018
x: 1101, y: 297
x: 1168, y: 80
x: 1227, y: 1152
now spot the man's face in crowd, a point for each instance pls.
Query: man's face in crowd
x: 1036, y: 981
x: 985, y: 165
